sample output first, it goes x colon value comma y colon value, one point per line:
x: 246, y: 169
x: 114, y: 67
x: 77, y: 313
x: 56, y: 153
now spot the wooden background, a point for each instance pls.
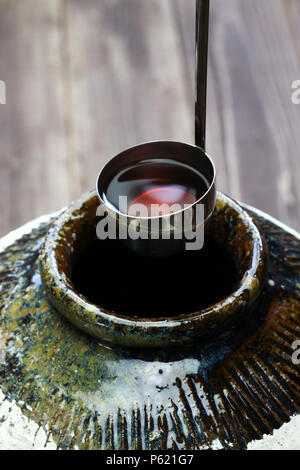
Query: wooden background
x: 85, y: 79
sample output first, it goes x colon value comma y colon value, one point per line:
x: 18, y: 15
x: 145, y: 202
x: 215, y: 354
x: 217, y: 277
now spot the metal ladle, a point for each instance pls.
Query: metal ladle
x: 192, y: 155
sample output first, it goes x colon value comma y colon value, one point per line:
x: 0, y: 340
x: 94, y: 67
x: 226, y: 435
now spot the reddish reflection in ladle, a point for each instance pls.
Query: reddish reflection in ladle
x: 165, y: 198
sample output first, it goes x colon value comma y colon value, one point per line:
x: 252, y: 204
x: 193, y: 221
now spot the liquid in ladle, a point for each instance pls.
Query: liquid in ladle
x: 155, y: 182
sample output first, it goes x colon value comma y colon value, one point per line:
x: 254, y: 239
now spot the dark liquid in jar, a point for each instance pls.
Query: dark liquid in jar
x: 153, y: 287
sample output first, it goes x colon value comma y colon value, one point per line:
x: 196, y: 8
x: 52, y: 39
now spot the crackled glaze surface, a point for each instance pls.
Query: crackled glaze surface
x: 60, y: 388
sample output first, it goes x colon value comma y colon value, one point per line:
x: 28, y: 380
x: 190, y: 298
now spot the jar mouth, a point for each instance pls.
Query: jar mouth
x: 232, y: 227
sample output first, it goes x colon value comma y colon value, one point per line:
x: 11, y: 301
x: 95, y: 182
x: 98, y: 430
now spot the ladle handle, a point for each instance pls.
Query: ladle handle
x: 202, y: 27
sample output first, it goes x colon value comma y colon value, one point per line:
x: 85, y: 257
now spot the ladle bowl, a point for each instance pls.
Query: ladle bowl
x: 153, y: 242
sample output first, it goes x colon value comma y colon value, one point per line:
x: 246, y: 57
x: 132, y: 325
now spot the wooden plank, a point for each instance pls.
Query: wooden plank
x: 273, y: 65
x: 87, y: 79
x: 34, y: 176
x: 185, y: 21
x: 252, y: 128
x: 128, y: 80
